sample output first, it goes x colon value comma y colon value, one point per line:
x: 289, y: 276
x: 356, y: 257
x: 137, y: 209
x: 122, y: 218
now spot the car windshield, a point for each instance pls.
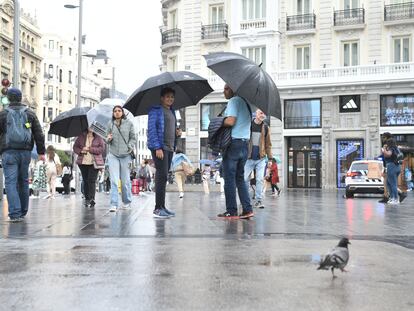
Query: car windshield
x: 359, y: 167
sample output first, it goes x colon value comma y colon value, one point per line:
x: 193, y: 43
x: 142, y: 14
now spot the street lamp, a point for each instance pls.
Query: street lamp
x: 78, y: 101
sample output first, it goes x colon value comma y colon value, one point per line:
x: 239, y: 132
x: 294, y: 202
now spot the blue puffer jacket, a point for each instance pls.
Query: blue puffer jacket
x: 155, y: 138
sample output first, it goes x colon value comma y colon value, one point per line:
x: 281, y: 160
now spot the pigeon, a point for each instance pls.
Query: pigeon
x: 337, y: 258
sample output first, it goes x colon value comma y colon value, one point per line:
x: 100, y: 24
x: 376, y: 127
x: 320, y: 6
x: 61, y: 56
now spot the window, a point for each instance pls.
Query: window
x: 253, y: 9
x: 32, y: 67
x: 69, y: 97
x: 70, y: 77
x: 99, y: 71
x: 57, y: 93
x: 50, y: 92
x: 51, y: 44
x: 60, y: 96
x: 302, y: 113
x: 351, y: 54
x: 60, y: 75
x: 49, y: 114
x: 350, y: 103
x: 209, y: 111
x: 23, y: 86
x: 32, y: 91
x: 217, y: 14
x: 61, y: 50
x: 397, y: 110
x: 256, y: 54
x: 70, y: 51
x: 50, y: 71
x: 302, y: 57
x: 303, y: 7
x: 351, y: 4
x: 402, y: 51
x: 173, y: 19
x: 173, y: 64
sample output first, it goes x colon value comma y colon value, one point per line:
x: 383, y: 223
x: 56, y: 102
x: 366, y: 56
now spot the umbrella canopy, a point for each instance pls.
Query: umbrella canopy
x: 189, y: 90
x: 247, y: 80
x: 100, y: 116
x: 70, y: 123
x: 206, y: 161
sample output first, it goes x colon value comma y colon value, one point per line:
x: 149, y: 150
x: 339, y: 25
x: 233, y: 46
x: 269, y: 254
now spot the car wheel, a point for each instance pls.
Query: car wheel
x: 349, y: 194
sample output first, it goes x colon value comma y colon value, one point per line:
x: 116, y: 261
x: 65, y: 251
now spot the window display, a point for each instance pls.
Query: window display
x: 397, y: 110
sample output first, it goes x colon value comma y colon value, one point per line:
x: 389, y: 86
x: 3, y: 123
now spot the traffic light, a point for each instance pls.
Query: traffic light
x: 5, y: 83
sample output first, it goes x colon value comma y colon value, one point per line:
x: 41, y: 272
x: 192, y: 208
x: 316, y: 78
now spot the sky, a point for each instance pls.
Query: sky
x: 127, y: 29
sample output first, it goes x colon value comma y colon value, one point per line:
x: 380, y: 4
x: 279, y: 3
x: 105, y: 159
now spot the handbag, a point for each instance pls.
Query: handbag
x: 131, y: 153
x: 59, y: 168
x: 96, y: 166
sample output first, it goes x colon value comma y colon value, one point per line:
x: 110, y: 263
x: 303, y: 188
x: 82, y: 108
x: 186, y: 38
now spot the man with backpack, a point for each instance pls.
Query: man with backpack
x: 259, y: 146
x: 19, y: 128
x: 238, y: 118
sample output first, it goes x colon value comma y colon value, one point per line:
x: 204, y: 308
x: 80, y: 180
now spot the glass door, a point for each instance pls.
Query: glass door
x: 306, y: 169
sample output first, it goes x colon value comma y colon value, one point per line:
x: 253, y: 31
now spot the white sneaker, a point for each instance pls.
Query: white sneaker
x: 47, y: 197
x: 126, y: 206
x: 393, y: 202
x: 181, y: 195
x: 53, y: 197
x: 113, y: 208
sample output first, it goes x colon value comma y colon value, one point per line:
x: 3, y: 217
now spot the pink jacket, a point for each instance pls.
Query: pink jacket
x: 96, y: 149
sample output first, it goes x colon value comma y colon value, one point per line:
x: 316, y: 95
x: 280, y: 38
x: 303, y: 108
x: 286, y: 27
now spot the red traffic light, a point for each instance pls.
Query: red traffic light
x: 5, y: 82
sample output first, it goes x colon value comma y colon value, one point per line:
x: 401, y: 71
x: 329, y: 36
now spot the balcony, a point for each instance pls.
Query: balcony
x: 346, y: 19
x: 171, y: 38
x: 300, y: 24
x: 257, y: 23
x: 214, y: 33
x: 341, y: 76
x: 399, y: 13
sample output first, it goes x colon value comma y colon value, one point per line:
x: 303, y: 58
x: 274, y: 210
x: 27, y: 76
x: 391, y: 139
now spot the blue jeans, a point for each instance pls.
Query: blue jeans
x: 16, y: 175
x: 234, y: 160
x: 119, y: 169
x: 259, y: 166
x: 393, y: 170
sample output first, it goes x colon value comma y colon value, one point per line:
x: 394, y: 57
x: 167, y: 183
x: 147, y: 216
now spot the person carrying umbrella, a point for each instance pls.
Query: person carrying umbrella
x: 89, y: 148
x: 238, y: 117
x: 162, y: 136
x: 121, y: 140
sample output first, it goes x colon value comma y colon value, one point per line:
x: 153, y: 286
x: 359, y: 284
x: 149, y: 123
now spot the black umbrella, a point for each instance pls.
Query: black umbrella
x: 70, y: 123
x: 189, y: 90
x: 247, y: 80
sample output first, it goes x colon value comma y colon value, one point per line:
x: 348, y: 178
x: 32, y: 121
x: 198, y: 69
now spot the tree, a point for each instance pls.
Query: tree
x: 63, y: 156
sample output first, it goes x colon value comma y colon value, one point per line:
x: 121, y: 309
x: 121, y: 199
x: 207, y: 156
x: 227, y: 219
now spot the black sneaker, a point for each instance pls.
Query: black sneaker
x: 383, y: 200
x: 228, y: 215
x: 246, y: 215
x: 92, y: 203
x: 402, y: 196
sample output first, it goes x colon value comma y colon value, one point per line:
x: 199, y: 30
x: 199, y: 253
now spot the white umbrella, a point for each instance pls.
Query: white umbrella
x: 100, y: 116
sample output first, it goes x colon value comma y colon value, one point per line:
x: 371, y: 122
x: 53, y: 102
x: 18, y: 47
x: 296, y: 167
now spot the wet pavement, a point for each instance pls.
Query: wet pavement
x: 65, y: 257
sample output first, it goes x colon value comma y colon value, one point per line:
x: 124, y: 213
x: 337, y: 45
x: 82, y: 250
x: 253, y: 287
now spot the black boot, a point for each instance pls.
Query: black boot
x: 383, y: 200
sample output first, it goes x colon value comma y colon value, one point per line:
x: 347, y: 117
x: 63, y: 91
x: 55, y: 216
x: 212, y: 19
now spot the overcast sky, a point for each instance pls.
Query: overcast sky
x: 127, y: 29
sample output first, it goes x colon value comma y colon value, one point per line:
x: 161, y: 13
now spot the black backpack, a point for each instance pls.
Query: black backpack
x: 398, y: 155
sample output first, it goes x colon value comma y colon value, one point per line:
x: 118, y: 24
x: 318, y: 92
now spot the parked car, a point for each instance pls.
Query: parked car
x: 359, y: 180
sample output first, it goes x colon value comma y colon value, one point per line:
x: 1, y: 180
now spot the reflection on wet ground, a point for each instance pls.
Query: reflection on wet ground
x: 295, y: 214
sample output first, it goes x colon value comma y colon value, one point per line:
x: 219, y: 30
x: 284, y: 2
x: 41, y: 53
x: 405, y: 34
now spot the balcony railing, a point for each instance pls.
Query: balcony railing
x: 214, y: 31
x: 301, y: 22
x: 171, y: 36
x: 302, y: 122
x: 401, y: 11
x: 342, y: 75
x: 349, y: 17
x: 260, y: 23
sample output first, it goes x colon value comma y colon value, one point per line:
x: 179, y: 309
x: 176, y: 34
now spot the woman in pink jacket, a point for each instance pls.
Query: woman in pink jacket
x: 89, y: 147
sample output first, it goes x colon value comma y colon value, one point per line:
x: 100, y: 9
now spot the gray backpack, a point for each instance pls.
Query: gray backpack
x: 19, y: 132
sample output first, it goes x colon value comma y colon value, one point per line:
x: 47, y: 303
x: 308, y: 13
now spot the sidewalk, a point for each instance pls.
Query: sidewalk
x: 65, y: 257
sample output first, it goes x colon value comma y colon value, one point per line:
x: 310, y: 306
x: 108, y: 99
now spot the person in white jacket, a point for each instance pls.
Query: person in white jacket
x: 52, y: 162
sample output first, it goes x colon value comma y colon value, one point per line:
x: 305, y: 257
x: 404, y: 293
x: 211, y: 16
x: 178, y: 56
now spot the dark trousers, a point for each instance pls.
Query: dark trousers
x: 66, y: 183
x: 89, y: 176
x: 274, y: 187
x: 161, y: 176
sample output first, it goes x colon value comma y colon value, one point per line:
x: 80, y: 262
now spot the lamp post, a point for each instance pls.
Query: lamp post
x: 16, y: 44
x: 78, y: 100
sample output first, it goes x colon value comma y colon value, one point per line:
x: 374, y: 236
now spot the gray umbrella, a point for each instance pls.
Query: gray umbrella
x: 189, y: 90
x: 70, y: 123
x: 247, y: 80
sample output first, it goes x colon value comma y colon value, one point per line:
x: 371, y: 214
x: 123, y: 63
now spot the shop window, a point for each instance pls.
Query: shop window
x: 350, y: 103
x: 302, y: 113
x: 397, y: 110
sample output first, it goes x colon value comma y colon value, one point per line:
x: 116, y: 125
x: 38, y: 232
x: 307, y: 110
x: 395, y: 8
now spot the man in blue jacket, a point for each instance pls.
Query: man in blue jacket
x: 162, y: 136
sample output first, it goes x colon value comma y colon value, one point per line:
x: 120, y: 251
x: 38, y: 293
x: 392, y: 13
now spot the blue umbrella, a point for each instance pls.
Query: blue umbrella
x: 206, y: 161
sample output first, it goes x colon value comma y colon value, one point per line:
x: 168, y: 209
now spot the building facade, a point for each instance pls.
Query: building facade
x: 30, y: 54
x: 344, y: 70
